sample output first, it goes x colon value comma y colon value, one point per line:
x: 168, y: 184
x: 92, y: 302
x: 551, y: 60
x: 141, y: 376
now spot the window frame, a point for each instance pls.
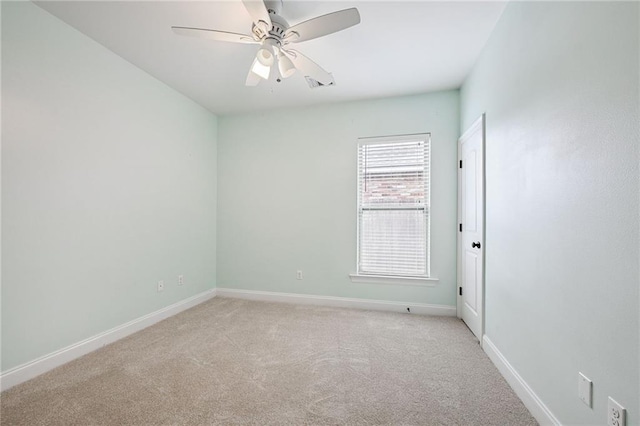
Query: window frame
x: 367, y: 277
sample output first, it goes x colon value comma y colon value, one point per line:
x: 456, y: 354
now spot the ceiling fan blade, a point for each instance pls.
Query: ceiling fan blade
x: 252, y: 79
x: 257, y: 72
x: 214, y: 35
x: 308, y: 68
x: 323, y: 25
x: 258, y: 12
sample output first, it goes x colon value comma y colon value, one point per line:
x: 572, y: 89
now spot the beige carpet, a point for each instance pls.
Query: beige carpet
x: 231, y: 361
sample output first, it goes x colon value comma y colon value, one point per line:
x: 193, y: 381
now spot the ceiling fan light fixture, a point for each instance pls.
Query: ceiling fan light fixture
x: 285, y: 66
x: 265, y: 56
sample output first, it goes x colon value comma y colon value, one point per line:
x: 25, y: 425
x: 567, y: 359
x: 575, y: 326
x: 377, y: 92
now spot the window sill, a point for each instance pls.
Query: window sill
x: 387, y: 279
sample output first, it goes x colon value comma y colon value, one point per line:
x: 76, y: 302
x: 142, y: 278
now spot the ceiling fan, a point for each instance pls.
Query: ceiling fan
x: 274, y: 34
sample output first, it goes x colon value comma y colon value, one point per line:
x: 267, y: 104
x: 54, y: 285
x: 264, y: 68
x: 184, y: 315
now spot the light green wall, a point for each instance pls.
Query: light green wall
x: 559, y: 84
x: 108, y: 185
x: 287, y: 196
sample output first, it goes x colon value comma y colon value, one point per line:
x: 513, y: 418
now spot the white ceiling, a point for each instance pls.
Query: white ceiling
x: 399, y: 48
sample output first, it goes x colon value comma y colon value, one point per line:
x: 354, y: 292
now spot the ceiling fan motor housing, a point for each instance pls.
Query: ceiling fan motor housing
x: 278, y: 27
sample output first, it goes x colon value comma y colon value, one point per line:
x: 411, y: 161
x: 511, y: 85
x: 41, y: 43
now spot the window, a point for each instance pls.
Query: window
x: 393, y: 206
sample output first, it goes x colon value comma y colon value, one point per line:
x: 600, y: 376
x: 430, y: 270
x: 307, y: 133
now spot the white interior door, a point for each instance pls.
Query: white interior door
x: 471, y: 228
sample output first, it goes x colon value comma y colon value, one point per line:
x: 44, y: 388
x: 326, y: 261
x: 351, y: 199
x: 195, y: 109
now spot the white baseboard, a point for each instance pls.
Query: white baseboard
x: 41, y: 365
x: 533, y: 403
x: 341, y: 302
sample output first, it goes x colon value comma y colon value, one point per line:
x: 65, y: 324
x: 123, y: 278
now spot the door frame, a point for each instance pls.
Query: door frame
x: 480, y: 122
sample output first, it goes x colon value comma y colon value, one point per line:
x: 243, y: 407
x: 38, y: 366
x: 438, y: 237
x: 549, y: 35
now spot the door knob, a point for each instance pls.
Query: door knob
x: 475, y: 245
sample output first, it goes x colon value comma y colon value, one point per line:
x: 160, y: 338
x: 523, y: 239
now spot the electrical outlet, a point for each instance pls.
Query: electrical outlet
x: 298, y: 275
x: 160, y: 286
x: 585, y: 389
x: 180, y: 279
x: 616, y: 414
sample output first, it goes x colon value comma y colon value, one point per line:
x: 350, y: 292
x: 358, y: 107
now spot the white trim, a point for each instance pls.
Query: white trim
x: 534, y: 404
x: 474, y: 127
x: 341, y: 302
x: 387, y: 279
x: 409, y: 137
x: 29, y: 370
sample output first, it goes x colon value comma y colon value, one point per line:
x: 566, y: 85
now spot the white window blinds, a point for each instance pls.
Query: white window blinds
x: 393, y: 205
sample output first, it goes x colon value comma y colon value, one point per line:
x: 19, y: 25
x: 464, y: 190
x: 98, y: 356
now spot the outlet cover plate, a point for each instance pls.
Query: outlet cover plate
x: 585, y: 389
x: 616, y: 414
